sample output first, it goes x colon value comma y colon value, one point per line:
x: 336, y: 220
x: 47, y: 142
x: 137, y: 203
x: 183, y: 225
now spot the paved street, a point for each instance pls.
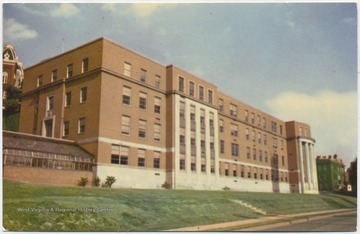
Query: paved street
x: 331, y: 223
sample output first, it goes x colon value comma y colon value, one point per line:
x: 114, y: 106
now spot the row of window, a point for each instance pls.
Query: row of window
x: 69, y: 72
x: 193, y: 166
x: 83, y: 96
x: 126, y: 99
x: 142, y: 129
x: 191, y: 90
x: 250, y: 118
x: 143, y: 74
x: 11, y: 160
x: 254, y: 173
x: 193, y: 147
x: 121, y: 154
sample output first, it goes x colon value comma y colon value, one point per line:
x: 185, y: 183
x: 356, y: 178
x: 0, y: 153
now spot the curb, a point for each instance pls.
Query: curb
x: 245, y: 225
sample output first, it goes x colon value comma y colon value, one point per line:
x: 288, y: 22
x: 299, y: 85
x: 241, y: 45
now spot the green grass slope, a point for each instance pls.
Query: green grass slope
x: 28, y: 207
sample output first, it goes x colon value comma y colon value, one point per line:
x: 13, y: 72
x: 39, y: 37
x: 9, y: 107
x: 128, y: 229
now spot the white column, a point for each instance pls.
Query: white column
x: 216, y: 142
x: 187, y: 139
x: 314, y: 169
x: 308, y: 158
x: 177, y: 143
x: 198, y: 138
x: 207, y: 142
x: 301, y: 167
x: 311, y: 166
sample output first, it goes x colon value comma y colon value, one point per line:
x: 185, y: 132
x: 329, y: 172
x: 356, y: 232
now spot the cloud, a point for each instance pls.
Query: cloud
x: 350, y: 21
x: 14, y: 30
x: 290, y: 24
x: 331, y: 115
x: 144, y: 10
x: 65, y: 10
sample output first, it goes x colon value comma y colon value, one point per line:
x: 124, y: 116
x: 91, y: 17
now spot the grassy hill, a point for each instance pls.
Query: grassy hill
x: 28, y: 207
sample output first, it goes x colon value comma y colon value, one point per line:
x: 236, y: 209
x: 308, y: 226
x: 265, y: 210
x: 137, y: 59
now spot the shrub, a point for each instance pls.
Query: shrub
x: 226, y: 188
x: 109, y: 181
x: 166, y: 185
x: 83, y: 181
x: 96, y: 181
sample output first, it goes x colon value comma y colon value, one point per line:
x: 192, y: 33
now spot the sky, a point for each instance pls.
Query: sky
x: 295, y: 61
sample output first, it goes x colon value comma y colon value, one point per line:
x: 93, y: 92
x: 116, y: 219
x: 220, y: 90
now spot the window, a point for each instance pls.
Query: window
x: 5, y: 77
x: 242, y: 170
x: 222, y: 146
x: 156, y: 162
x: 234, y: 149
x: 81, y: 128
x: 68, y: 99
x: 142, y: 100
x: 191, y: 88
x: 248, y: 152
x: 141, y: 157
x: 182, y: 164
x: 203, y: 149
x: 85, y: 65
x: 249, y: 172
x: 253, y: 136
x: 201, y: 93
x: 83, y: 95
x: 281, y: 129
x: 203, y: 168
x: 233, y: 110
x: 125, y: 125
x: 142, y: 128
x: 181, y: 84
x: 193, y: 147
x: 40, y: 81
x: 50, y: 103
x: 157, y: 81
x: 264, y: 123
x: 157, y: 105
x: 53, y: 75
x: 266, y: 156
x: 66, y: 128
x: 252, y: 118
x: 258, y: 120
x: 259, y: 137
x: 221, y: 105
x: 234, y: 130
x: 226, y: 166
x: 254, y: 154
x: 193, y: 167
x: 273, y: 127
x: 210, y: 96
x: 282, y: 161
x: 260, y: 156
x: 246, y: 115
x: 247, y: 135
x: 69, y: 72
x: 265, y: 139
x: 157, y: 132
x: 126, y: 95
x: 221, y: 125
x: 124, y: 155
x: 143, y: 74
x: 127, y: 69
x: 182, y: 144
x: 115, y: 154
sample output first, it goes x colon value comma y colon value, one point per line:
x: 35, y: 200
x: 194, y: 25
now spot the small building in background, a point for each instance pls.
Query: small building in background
x: 13, y: 69
x: 331, y: 173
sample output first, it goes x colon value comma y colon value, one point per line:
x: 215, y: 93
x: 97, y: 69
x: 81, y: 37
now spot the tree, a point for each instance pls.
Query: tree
x: 353, y: 176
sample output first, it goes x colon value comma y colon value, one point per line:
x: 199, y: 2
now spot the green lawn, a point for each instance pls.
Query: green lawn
x: 54, y: 208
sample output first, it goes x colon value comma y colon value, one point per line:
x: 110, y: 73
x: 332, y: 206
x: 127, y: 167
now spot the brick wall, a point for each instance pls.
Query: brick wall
x: 45, y: 176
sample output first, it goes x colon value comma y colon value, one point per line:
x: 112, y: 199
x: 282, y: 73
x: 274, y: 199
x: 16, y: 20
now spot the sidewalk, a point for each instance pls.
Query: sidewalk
x: 259, y: 221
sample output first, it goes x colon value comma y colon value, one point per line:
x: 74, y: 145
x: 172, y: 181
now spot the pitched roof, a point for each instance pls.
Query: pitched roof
x: 23, y: 141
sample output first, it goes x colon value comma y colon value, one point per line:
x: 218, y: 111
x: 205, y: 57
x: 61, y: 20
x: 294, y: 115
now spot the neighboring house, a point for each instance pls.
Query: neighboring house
x: 149, y: 124
x: 13, y: 71
x: 331, y: 173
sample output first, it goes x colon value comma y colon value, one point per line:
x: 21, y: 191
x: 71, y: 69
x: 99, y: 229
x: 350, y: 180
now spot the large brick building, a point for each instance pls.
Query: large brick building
x: 148, y: 124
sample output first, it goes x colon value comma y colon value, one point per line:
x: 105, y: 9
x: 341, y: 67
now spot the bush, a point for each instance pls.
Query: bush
x: 83, y: 181
x: 226, y: 188
x: 109, y: 181
x: 166, y: 185
x: 96, y: 181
